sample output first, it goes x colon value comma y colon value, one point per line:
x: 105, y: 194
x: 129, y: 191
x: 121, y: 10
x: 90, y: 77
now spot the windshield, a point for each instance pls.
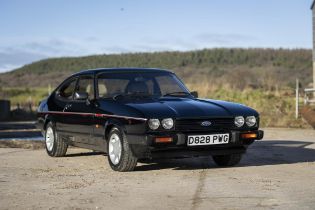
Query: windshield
x: 148, y: 84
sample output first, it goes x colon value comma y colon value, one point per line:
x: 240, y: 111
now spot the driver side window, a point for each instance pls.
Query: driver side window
x: 66, y: 91
x: 86, y: 84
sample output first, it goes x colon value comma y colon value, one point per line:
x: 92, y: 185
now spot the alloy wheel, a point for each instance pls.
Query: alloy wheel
x: 50, y: 138
x: 114, y: 149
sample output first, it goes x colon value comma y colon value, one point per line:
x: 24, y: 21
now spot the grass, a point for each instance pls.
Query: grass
x: 276, y: 108
x: 259, y: 78
x: 24, y: 96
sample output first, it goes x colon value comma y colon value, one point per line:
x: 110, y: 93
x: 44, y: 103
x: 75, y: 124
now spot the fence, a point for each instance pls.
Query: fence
x: 309, y: 96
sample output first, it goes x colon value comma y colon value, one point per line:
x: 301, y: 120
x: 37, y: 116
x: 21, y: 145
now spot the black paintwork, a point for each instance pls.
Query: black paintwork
x: 86, y: 123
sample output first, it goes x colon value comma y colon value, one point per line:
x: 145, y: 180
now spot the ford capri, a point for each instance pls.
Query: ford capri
x: 142, y: 114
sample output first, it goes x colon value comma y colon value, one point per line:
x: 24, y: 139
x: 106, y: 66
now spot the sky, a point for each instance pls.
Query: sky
x: 37, y: 29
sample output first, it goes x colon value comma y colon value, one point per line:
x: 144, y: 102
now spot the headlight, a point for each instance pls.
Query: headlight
x: 154, y: 124
x: 167, y: 123
x: 250, y: 121
x: 239, y: 121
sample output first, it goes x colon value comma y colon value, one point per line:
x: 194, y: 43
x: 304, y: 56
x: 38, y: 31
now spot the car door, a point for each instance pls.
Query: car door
x: 82, y: 110
x: 59, y: 104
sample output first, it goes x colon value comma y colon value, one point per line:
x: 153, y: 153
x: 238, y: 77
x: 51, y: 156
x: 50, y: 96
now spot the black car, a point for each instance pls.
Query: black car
x: 141, y: 114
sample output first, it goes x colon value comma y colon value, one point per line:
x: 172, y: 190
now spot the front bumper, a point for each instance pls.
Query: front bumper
x: 144, y: 146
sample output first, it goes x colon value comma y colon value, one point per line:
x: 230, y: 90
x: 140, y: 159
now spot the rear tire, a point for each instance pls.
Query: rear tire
x: 227, y: 160
x: 120, y: 156
x: 55, y: 146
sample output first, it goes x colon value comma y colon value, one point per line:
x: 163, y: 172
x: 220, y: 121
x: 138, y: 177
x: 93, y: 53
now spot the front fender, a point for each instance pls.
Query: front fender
x: 109, y: 124
x: 137, y: 143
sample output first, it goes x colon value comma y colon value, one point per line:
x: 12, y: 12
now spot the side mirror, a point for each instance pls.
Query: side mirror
x: 57, y: 93
x: 194, y: 94
x: 81, y: 96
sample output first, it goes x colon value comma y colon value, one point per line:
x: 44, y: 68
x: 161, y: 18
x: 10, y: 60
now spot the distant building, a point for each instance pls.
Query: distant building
x: 313, y: 11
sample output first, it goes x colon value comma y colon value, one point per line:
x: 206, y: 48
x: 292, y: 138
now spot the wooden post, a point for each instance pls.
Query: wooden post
x: 297, y: 99
x: 314, y: 70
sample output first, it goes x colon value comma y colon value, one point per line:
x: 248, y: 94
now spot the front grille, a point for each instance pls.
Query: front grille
x: 217, y: 124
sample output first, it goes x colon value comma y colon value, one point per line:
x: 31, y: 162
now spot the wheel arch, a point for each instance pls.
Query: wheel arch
x: 48, y: 118
x: 110, y: 124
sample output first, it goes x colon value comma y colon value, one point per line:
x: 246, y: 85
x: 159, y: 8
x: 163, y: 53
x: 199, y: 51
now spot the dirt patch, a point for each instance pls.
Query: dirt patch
x: 25, y: 144
x: 276, y: 173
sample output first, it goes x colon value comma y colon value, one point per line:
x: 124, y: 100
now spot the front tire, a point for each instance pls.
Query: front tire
x: 227, y: 160
x: 55, y: 146
x: 120, y: 156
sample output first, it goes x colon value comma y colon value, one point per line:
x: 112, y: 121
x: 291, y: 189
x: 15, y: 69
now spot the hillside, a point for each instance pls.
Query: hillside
x: 241, y: 68
x: 260, y: 78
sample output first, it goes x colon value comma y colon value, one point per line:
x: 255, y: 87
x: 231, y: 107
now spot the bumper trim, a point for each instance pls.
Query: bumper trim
x: 143, y: 146
x: 180, y: 138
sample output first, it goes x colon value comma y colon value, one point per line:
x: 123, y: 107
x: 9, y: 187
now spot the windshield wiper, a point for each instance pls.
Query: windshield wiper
x: 179, y: 93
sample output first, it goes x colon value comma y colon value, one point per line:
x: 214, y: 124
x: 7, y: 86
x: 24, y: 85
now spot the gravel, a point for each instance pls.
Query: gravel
x: 276, y: 173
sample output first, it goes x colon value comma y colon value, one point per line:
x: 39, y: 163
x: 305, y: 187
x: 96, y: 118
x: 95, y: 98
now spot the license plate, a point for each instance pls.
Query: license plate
x: 212, y: 139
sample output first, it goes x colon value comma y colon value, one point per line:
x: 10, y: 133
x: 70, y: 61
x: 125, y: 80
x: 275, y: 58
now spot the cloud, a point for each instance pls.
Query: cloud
x: 11, y: 58
x: 223, y: 40
x: 8, y: 67
x: 198, y: 41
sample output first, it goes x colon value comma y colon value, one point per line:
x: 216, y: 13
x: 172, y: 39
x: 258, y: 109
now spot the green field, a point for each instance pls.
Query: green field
x: 24, y: 96
x: 277, y: 109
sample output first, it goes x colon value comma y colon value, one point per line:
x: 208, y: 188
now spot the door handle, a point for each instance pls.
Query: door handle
x: 67, y: 107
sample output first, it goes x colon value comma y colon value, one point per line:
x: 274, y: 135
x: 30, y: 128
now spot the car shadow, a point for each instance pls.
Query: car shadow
x: 84, y: 154
x: 275, y: 152
x: 261, y: 153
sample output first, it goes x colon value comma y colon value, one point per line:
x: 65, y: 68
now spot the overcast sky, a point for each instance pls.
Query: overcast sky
x: 35, y: 29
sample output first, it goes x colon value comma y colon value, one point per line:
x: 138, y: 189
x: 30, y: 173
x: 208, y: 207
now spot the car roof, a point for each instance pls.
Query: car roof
x: 127, y: 70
